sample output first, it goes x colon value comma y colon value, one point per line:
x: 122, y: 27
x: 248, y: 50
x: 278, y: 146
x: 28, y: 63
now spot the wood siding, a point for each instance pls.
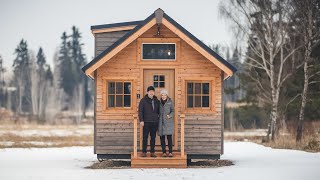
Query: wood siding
x: 114, y: 127
x: 104, y: 40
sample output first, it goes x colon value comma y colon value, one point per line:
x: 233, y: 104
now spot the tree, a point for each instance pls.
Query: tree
x: 79, y: 60
x: 2, y: 84
x: 42, y: 81
x: 22, y: 79
x: 73, y: 81
x: 68, y: 76
x: 307, y: 22
x: 265, y: 26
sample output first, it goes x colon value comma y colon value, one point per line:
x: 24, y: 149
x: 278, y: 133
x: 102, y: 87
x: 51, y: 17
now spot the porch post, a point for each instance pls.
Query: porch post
x: 135, y: 134
x: 182, y: 116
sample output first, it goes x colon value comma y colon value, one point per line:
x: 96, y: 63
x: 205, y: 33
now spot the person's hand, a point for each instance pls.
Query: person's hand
x: 142, y: 123
x: 168, y: 116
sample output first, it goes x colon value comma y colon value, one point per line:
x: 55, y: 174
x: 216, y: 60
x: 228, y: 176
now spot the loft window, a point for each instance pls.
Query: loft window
x: 158, y: 51
x: 119, y: 94
x: 198, y: 95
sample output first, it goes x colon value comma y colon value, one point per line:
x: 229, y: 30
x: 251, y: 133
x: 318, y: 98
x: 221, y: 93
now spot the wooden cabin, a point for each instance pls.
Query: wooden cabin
x: 157, y: 51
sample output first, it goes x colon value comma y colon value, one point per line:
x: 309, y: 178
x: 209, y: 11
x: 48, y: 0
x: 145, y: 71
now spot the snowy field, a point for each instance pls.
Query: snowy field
x: 251, y: 161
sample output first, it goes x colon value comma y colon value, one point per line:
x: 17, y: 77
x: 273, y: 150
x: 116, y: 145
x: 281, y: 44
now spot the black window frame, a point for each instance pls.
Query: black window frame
x: 116, y: 95
x: 195, y: 95
x: 159, y: 59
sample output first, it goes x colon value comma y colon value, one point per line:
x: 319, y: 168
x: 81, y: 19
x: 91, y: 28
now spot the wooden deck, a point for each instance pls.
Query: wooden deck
x: 177, y: 161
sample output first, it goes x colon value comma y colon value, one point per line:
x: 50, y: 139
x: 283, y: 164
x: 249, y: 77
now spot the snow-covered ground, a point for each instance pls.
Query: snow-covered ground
x: 251, y: 161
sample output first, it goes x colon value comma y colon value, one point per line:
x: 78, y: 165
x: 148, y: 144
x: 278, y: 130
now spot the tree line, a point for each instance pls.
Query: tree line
x: 280, y: 69
x: 40, y: 93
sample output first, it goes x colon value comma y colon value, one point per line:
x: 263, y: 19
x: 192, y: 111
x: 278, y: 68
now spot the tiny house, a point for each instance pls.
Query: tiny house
x: 157, y: 51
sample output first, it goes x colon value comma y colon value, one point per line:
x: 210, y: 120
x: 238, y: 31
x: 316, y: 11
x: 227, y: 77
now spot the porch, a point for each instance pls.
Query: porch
x: 179, y: 159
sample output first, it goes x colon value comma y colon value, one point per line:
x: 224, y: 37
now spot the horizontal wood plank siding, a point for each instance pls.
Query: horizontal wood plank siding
x: 105, y: 40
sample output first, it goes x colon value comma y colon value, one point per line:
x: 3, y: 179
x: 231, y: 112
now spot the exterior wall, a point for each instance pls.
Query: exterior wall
x: 104, y: 40
x: 203, y: 128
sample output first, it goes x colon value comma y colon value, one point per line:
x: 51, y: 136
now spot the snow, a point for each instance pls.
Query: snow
x: 252, y: 161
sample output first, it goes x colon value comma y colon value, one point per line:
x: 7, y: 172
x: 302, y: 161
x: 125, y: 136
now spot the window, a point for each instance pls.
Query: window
x: 119, y: 94
x: 159, y: 81
x: 159, y: 51
x: 198, y: 94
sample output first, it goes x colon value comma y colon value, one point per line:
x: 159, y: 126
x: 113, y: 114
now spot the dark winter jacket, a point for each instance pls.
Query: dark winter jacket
x: 166, y: 125
x: 146, y: 112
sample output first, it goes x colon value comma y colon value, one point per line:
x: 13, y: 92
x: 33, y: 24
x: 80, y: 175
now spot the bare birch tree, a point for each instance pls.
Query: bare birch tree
x: 265, y: 26
x: 307, y: 13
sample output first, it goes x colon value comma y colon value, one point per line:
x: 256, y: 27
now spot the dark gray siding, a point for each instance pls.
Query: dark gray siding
x: 104, y: 40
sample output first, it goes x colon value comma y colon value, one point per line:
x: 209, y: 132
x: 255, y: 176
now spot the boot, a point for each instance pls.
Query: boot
x: 153, y: 155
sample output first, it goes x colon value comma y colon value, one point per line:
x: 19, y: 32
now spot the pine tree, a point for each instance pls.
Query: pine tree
x: 68, y: 76
x: 40, y: 91
x: 2, y: 84
x: 22, y: 77
x: 79, y: 60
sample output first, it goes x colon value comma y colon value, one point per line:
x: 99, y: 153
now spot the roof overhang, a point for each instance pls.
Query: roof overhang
x: 124, y: 26
x: 138, y: 30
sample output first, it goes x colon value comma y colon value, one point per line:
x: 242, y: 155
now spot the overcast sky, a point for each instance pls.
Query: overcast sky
x: 41, y: 22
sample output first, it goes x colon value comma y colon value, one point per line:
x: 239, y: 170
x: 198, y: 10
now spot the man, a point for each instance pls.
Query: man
x: 149, y: 119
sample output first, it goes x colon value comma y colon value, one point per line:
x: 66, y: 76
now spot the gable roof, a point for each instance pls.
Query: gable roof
x: 145, y: 25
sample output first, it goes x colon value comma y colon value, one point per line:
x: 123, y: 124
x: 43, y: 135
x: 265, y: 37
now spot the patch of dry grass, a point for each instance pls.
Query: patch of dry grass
x: 286, y: 140
x: 310, y: 143
x: 44, y: 136
x: 210, y: 163
x: 111, y: 164
x: 125, y: 164
x: 44, y: 141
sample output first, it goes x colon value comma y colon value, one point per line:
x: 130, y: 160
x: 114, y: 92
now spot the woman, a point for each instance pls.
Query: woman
x: 166, y: 122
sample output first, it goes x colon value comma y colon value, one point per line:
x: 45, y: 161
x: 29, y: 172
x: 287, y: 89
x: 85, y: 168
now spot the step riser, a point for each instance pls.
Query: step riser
x: 169, y: 166
x: 159, y: 162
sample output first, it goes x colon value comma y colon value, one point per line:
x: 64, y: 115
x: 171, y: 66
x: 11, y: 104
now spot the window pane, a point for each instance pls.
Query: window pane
x: 111, y: 101
x: 119, y: 101
x: 190, y: 88
x: 119, y: 88
x: 158, y: 51
x: 161, y: 78
x: 197, y: 101
x: 205, y: 88
x: 111, y: 88
x: 197, y: 88
x: 161, y: 84
x: 205, y: 101
x: 127, y: 101
x: 155, y: 84
x: 127, y: 88
x: 190, y: 101
x: 155, y: 78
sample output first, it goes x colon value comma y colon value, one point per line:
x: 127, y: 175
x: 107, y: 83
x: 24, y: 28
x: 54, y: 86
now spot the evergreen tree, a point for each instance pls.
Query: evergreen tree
x: 22, y: 77
x: 68, y: 76
x: 2, y: 84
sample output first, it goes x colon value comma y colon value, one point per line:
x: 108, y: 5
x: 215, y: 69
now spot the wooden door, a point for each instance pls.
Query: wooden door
x: 159, y: 79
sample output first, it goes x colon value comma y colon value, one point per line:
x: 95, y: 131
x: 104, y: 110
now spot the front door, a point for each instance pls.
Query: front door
x: 159, y: 79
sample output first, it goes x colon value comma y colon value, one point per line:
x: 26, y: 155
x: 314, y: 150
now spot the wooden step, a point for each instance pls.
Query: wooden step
x: 159, y: 162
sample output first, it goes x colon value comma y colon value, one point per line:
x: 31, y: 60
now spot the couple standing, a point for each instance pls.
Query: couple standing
x: 156, y: 115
